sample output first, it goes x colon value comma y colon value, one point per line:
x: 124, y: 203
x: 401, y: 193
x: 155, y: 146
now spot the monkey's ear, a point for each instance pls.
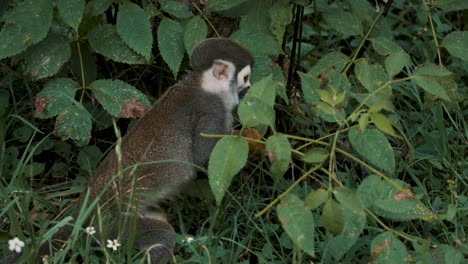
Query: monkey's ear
x: 220, y: 70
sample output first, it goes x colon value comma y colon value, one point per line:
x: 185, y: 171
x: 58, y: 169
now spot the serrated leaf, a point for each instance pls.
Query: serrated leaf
x: 386, y: 248
x: 298, y: 222
x: 395, y: 62
x: 374, y: 147
x: 316, y: 199
x: 370, y: 76
x: 344, y: 22
x: 194, y: 32
x: 120, y: 99
x: 74, y: 123
x: 222, y: 5
x: 316, y: 155
x: 134, y: 27
x: 383, y: 124
x: 385, y: 46
x: 278, y: 146
x: 354, y: 219
x: 96, y: 7
x: 332, y: 217
x: 170, y: 42
x: 452, y: 5
x: 227, y: 158
x: 332, y: 60
x: 47, y: 57
x: 455, y: 43
x: 71, y: 12
x: 280, y: 16
x: 25, y: 25
x: 57, y: 95
x: 251, y: 39
x: 429, y: 76
x: 179, y: 10
x: 99, y: 38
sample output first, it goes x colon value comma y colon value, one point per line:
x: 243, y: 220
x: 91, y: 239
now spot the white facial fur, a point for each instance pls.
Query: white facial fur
x: 219, y: 80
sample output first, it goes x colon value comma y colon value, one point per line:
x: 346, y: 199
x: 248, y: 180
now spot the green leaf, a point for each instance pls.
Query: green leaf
x: 354, y: 219
x: 373, y: 188
x: 222, y: 5
x: 363, y: 10
x: 455, y: 43
x: 280, y: 16
x: 23, y: 133
x: 452, y: 5
x: 227, y: 158
x: 47, y: 57
x: 194, y: 32
x: 134, y: 27
x: 278, y: 145
x: 71, y: 12
x: 88, y: 158
x: 316, y: 199
x: 170, y: 42
x: 344, y: 22
x: 383, y: 124
x: 25, y: 25
x: 428, y: 77
x: 96, y: 7
x: 309, y: 84
x: 250, y: 41
x: 316, y: 155
x: 83, y: 62
x: 298, y: 222
x: 395, y: 62
x: 179, y: 10
x: 374, y: 147
x: 74, y: 123
x: 404, y: 210
x: 256, y: 108
x: 120, y: 99
x: 385, y: 46
x: 332, y: 217
x: 332, y: 60
x: 33, y: 169
x: 386, y: 248
x: 99, y: 38
x: 371, y: 76
x: 58, y: 94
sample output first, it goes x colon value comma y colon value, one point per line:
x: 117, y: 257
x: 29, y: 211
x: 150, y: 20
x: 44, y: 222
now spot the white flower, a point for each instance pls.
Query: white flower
x: 187, y: 239
x: 15, y: 244
x: 45, y: 258
x: 90, y: 230
x: 114, y: 244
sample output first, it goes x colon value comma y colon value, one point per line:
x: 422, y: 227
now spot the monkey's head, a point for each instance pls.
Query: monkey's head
x: 225, y: 65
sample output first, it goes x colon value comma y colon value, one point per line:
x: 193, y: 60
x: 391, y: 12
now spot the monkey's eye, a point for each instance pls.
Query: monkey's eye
x: 246, y: 78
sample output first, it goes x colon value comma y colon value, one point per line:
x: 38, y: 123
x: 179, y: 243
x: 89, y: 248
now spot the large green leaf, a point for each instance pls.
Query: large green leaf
x: 74, y: 123
x: 354, y: 221
x: 222, y: 5
x: 134, y: 27
x: 25, y: 25
x: 456, y: 44
x: 387, y: 249
x: 316, y: 199
x: 278, y: 146
x: 47, y: 57
x: 430, y: 76
x: 58, y: 94
x: 99, y: 38
x: 332, y: 60
x: 374, y: 147
x: 281, y: 16
x: 452, y: 5
x: 227, y: 158
x: 120, y: 99
x: 71, y: 11
x: 298, y: 222
x: 256, y: 108
x: 395, y: 62
x: 385, y: 46
x: 170, y: 42
x: 370, y: 76
x: 332, y: 217
x: 96, y: 7
x: 344, y: 22
x: 194, y: 32
x: 179, y: 10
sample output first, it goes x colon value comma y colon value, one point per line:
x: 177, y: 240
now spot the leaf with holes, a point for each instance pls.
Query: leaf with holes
x: 298, y: 222
x: 227, y: 158
x: 120, y: 99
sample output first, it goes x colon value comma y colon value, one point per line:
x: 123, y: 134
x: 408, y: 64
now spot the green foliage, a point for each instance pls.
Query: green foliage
x: 361, y: 115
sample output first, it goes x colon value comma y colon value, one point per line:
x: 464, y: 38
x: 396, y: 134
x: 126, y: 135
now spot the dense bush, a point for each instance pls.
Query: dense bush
x: 359, y: 106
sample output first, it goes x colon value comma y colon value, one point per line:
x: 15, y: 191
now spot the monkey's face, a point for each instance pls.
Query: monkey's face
x: 243, y: 81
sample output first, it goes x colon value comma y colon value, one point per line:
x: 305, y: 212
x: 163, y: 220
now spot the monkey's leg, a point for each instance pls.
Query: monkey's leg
x: 157, y: 237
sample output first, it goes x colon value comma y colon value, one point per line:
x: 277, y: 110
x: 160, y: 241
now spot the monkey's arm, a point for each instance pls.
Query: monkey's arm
x: 214, y: 123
